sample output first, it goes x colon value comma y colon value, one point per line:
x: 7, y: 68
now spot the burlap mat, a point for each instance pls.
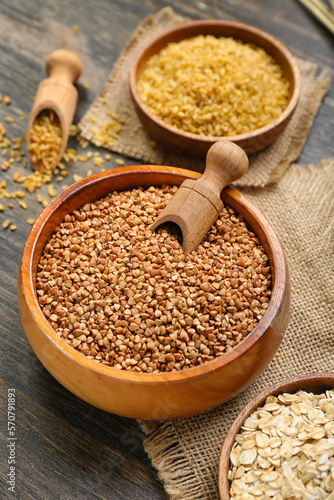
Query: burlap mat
x: 301, y: 209
x: 134, y: 142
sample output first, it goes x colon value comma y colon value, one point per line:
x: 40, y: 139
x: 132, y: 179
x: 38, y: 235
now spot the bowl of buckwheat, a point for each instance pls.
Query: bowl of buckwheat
x: 202, y: 81
x: 121, y: 317
x: 281, y: 444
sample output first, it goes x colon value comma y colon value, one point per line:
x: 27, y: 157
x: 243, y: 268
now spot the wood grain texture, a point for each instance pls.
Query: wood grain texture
x: 66, y: 448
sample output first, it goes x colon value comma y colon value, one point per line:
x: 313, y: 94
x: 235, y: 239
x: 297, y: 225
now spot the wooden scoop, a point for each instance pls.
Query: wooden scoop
x: 57, y: 93
x: 197, y: 204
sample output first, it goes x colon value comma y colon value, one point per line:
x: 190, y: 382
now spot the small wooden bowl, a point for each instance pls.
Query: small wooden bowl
x: 140, y: 395
x: 313, y: 382
x: 196, y: 145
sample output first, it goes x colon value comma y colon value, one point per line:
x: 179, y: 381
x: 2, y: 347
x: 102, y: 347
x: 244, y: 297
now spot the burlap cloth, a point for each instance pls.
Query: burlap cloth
x: 301, y: 209
x: 133, y: 141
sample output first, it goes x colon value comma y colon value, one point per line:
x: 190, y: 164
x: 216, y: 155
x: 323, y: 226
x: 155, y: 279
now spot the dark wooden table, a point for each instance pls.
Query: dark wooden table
x: 65, y: 448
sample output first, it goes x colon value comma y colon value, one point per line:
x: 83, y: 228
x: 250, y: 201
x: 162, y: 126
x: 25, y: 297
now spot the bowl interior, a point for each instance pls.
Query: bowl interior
x: 216, y: 28
x: 239, y: 31
x: 314, y: 382
x: 99, y: 185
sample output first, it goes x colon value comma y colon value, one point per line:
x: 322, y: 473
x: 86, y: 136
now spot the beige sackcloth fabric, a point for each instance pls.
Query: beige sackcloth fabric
x: 133, y: 141
x: 301, y: 209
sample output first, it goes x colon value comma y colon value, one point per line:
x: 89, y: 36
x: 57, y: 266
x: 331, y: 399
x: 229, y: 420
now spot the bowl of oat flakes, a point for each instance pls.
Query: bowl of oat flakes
x: 127, y: 322
x: 202, y: 81
x: 281, y: 445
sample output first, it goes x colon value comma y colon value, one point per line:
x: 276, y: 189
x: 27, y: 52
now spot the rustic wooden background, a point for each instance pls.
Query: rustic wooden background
x: 67, y: 449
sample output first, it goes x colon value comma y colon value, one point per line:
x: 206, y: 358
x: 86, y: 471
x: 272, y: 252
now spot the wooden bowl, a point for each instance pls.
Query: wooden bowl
x: 314, y: 382
x: 139, y: 395
x: 196, y: 145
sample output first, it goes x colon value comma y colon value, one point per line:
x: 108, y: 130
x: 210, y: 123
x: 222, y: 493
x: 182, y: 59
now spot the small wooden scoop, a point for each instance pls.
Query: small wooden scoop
x: 57, y: 93
x: 197, y: 204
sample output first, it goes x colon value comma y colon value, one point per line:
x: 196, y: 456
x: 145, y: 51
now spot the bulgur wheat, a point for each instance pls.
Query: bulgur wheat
x: 46, y: 138
x: 214, y: 86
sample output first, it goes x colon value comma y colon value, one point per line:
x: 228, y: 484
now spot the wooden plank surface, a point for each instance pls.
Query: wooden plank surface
x: 65, y: 448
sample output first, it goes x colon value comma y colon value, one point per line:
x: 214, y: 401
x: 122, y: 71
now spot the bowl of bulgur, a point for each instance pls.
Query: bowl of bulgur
x: 124, y: 320
x: 206, y: 80
x: 281, y: 444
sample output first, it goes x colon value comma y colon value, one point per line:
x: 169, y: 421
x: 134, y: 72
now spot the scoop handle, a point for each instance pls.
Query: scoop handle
x: 64, y: 66
x: 225, y: 163
x: 57, y: 93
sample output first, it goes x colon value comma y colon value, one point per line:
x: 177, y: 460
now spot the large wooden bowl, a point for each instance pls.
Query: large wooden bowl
x: 140, y: 395
x: 196, y: 145
x: 313, y: 382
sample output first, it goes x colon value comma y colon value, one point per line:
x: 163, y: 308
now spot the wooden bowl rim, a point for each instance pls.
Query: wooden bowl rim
x: 287, y: 385
x: 30, y: 297
x: 221, y: 23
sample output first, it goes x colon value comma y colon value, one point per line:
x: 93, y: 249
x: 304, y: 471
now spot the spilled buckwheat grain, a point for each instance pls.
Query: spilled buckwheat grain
x: 131, y: 299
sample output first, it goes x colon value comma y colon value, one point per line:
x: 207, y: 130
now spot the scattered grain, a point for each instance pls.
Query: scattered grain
x: 83, y: 143
x: 19, y: 194
x: 5, y: 166
x: 98, y: 161
x: 81, y: 158
x: 12, y: 151
x: 107, y: 131
x: 74, y: 130
x: 51, y: 191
